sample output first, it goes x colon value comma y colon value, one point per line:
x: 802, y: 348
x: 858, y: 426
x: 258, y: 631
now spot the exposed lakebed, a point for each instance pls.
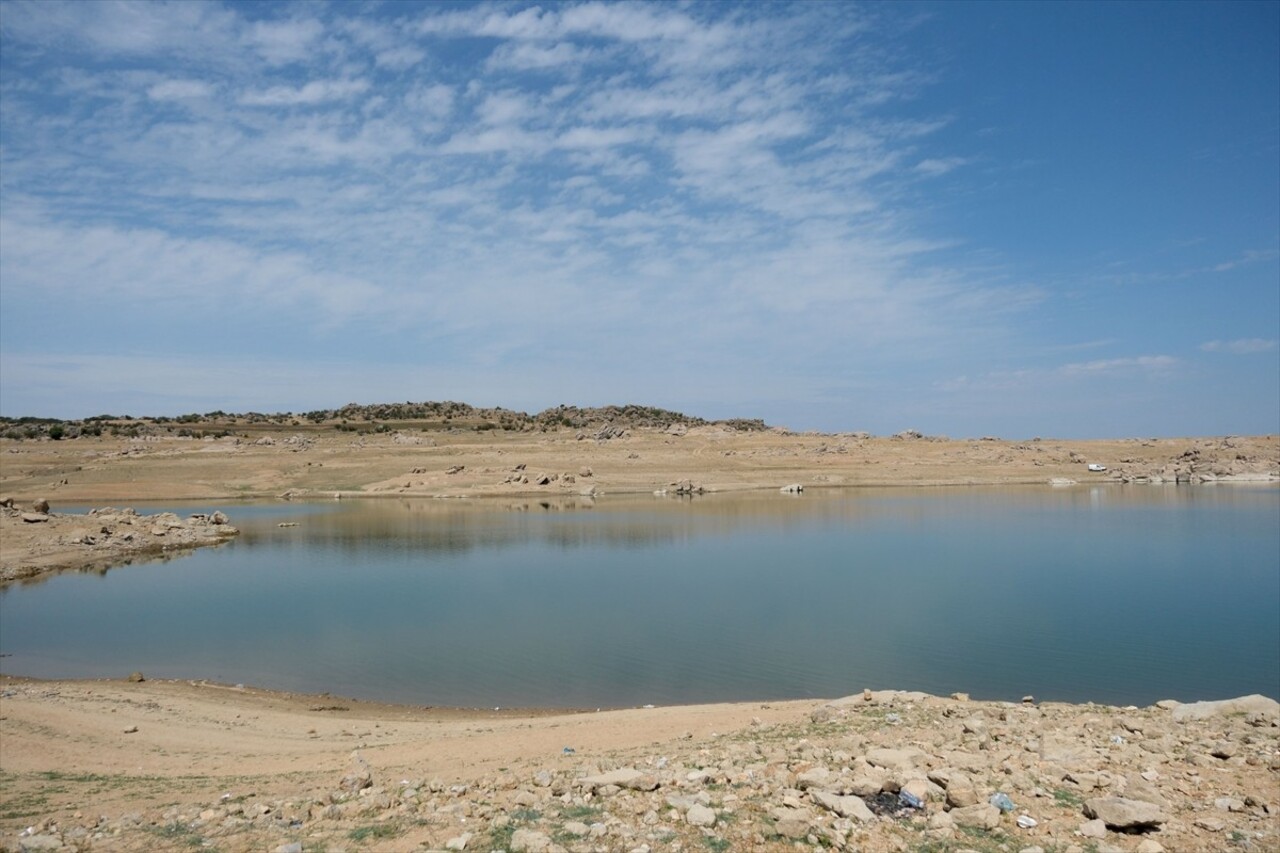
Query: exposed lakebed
x: 1105, y: 593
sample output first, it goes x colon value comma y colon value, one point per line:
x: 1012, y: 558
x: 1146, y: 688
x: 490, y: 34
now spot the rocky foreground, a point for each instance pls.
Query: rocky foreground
x: 878, y: 771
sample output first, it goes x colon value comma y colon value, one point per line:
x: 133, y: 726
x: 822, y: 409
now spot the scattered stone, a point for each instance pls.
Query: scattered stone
x: 40, y: 505
x: 136, y: 677
x: 34, y: 517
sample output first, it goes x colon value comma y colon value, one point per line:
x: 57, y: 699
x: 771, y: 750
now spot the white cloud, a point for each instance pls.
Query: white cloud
x: 399, y: 58
x: 1241, y: 346
x: 311, y: 93
x: 180, y: 90
x: 1114, y: 365
x: 154, y: 270
x: 932, y: 167
x: 284, y: 42
x: 125, y: 27
x: 525, y: 56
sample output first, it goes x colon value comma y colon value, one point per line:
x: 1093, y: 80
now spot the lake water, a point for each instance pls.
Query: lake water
x: 1092, y: 593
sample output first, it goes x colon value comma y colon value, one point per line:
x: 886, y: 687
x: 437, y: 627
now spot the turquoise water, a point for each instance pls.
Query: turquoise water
x: 1106, y: 593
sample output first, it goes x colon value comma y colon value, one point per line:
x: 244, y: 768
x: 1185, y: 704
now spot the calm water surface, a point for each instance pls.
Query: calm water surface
x: 1106, y: 593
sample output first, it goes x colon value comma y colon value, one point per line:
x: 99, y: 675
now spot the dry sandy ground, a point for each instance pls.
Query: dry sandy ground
x: 177, y: 765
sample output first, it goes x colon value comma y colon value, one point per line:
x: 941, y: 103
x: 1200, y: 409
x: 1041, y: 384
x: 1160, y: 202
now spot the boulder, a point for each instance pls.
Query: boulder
x: 981, y: 816
x: 818, y: 777
x: 624, y: 777
x: 904, y: 759
x: 358, y: 777
x: 1243, y: 705
x: 529, y: 841
x: 40, y: 505
x: 791, y: 823
x: 1124, y: 814
x: 700, y: 815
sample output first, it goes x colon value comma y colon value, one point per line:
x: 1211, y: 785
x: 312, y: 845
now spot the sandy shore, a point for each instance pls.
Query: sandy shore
x: 180, y: 765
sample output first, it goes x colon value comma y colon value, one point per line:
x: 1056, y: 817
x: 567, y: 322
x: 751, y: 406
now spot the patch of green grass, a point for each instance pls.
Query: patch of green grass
x: 177, y: 833
x: 1066, y: 797
x: 500, y: 837
x: 375, y: 831
x: 58, y: 776
x: 586, y: 814
x: 716, y: 844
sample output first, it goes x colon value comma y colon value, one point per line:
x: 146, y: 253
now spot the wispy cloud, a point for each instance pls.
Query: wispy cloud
x: 1241, y: 346
x: 1115, y: 365
x: 313, y: 92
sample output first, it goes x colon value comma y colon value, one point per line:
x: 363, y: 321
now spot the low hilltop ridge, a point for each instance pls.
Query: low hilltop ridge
x: 373, y: 417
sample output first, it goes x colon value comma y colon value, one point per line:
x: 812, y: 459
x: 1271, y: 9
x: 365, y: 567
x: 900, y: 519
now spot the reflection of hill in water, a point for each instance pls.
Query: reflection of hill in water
x: 453, y: 526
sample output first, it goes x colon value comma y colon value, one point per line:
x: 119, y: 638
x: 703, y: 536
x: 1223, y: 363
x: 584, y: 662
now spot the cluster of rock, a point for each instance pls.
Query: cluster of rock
x: 878, y: 771
x: 682, y: 487
x: 105, y: 537
x: 293, y: 442
x: 521, y: 477
x: 1195, y: 465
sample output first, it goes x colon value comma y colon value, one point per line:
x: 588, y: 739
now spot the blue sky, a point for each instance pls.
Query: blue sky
x: 1002, y: 218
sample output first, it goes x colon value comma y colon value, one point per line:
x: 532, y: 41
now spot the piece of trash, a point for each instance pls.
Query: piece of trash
x: 1026, y: 821
x: 648, y: 706
x: 1001, y: 801
x: 892, y: 718
x: 1117, y: 739
x: 910, y: 800
x: 888, y: 804
x: 568, y: 750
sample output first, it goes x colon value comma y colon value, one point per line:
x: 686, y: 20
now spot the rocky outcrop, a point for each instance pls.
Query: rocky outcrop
x: 49, y: 541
